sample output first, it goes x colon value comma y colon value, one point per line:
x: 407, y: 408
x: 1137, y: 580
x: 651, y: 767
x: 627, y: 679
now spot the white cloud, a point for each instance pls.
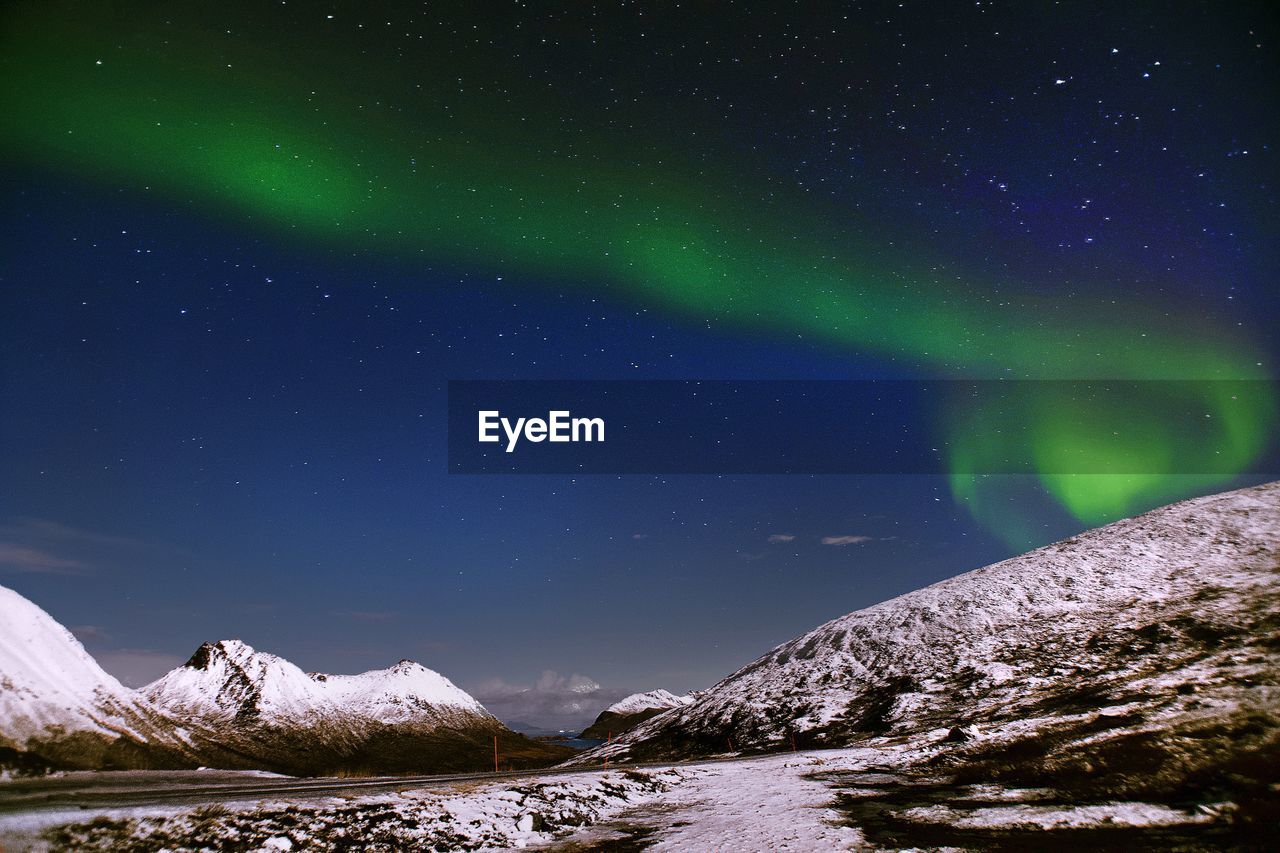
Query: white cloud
x: 781, y: 537
x: 845, y: 540
x: 41, y: 546
x: 53, y: 531
x: 24, y: 558
x: 554, y: 702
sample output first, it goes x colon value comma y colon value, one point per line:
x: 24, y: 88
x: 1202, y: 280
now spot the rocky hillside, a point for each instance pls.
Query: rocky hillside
x: 1162, y: 627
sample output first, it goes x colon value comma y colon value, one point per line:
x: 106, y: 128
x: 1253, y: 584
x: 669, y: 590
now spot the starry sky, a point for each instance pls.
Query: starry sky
x: 248, y: 245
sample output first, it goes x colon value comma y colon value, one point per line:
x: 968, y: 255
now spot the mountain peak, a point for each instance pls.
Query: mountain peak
x: 209, y: 653
x: 631, y: 711
x: 230, y: 679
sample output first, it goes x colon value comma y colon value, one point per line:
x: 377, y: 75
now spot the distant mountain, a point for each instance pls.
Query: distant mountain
x: 1157, y: 636
x: 230, y: 682
x: 271, y: 714
x: 631, y: 711
x: 233, y: 707
x: 59, y: 709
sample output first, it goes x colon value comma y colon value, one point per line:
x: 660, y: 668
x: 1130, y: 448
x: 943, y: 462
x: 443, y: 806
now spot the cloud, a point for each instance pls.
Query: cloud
x: 781, y: 537
x: 54, y: 531
x: 137, y: 667
x: 553, y: 702
x: 845, y: 540
x: 639, y: 535
x: 25, y: 558
x: 39, y: 545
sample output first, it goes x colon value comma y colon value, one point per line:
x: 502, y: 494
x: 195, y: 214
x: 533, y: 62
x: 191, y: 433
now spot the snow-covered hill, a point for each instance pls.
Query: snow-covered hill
x: 58, y: 707
x: 1166, y: 616
x: 630, y: 712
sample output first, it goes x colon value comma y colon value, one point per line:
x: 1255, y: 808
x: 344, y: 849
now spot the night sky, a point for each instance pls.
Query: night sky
x: 246, y: 247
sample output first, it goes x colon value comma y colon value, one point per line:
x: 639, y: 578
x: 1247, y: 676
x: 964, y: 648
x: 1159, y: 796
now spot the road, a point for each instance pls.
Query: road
x: 123, y: 789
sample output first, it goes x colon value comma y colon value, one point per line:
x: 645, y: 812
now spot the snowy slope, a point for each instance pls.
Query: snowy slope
x: 1168, y: 612
x: 661, y: 699
x: 55, y: 701
x: 49, y: 681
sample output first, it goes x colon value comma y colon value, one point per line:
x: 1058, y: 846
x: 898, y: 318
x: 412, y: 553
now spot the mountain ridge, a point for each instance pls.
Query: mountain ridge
x: 1170, y: 610
x: 233, y: 707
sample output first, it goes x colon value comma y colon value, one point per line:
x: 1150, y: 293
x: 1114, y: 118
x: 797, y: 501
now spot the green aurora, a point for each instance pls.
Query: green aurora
x: 316, y: 157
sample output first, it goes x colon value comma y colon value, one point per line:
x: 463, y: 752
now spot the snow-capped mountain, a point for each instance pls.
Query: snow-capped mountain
x: 230, y: 682
x: 268, y: 711
x: 655, y: 699
x: 59, y: 708
x: 233, y: 707
x: 405, y: 693
x: 1169, y: 614
x: 630, y: 712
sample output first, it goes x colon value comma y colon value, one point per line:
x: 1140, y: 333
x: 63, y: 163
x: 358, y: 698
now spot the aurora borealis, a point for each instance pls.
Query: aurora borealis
x: 639, y: 159
x: 406, y: 181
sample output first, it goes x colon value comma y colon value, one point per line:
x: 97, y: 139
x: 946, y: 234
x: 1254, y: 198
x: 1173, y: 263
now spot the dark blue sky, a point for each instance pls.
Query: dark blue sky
x: 210, y: 430
x: 267, y: 432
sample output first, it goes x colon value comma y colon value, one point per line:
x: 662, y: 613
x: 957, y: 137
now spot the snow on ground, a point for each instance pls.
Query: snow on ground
x: 793, y: 801
x: 464, y: 816
x: 764, y: 804
x: 1057, y: 817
